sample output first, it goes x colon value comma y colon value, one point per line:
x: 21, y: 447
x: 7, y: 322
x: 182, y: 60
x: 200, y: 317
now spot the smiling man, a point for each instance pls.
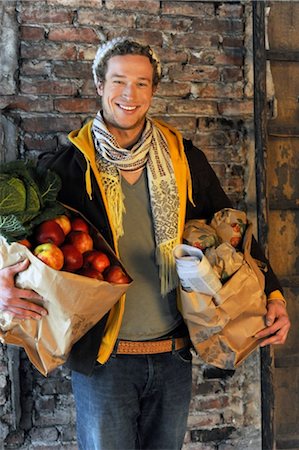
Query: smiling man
x: 138, y: 181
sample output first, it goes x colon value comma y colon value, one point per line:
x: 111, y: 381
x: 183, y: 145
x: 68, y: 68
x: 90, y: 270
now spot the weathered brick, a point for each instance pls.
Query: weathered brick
x: 173, y: 89
x: 105, y: 17
x: 26, y: 103
x: 217, y: 90
x: 76, y: 3
x: 87, y: 88
x: 230, y: 74
x: 236, y: 108
x: 35, y: 68
x: 37, y: 13
x: 40, y: 143
x: 199, y: 107
x: 49, y: 51
x: 78, y: 69
x: 165, y: 23
x: 204, y: 420
x: 32, y: 33
x: 228, y: 57
x: 188, y: 8
x: 151, y: 6
x: 226, y: 26
x: 76, y: 105
x: 43, y: 435
x: 144, y: 37
x: 71, y: 34
x: 215, y: 434
x: 52, y: 87
x: 193, y: 40
x: 182, y: 123
x: 50, y: 124
x: 230, y: 10
x: 194, y: 73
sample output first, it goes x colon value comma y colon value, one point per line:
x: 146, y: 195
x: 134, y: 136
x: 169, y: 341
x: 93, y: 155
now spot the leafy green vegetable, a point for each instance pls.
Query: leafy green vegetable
x: 28, y: 196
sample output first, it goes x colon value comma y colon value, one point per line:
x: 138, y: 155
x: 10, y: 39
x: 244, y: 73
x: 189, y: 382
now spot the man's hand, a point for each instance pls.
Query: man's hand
x: 17, y: 301
x: 277, y: 322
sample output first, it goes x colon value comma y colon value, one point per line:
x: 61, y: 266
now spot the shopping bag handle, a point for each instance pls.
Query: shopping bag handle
x: 247, y: 255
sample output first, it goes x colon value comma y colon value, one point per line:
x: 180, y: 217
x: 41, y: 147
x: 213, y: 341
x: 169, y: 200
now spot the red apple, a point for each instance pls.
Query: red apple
x: 96, y: 259
x: 25, y: 242
x: 81, y: 240
x: 50, y: 254
x: 64, y: 222
x: 79, y: 224
x: 116, y: 275
x: 90, y: 272
x: 49, y: 231
x: 73, y: 259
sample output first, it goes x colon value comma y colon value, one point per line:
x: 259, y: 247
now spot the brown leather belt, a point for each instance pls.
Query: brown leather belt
x: 151, y: 347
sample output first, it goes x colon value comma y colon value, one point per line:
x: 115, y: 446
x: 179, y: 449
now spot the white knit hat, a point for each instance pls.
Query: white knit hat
x: 108, y: 46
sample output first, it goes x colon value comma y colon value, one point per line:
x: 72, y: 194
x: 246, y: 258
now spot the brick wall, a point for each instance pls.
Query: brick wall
x: 46, y: 90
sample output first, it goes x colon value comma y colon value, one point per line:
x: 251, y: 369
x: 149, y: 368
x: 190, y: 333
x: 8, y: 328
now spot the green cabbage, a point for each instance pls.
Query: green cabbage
x: 28, y: 196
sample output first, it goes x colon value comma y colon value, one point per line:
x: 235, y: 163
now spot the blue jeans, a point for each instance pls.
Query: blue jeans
x: 134, y: 402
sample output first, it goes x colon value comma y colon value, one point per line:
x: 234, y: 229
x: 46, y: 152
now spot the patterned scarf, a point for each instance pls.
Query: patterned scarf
x: 151, y: 151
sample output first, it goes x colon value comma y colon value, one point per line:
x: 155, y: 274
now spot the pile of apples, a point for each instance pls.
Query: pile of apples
x: 65, y: 243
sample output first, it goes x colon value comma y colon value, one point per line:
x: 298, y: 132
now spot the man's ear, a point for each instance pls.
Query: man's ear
x: 100, y: 88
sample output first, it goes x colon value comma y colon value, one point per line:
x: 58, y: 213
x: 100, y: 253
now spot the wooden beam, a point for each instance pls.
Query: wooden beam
x: 260, y: 121
x: 282, y: 55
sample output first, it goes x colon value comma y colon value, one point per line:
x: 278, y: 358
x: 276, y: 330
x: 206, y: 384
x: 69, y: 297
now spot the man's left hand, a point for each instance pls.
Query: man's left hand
x: 277, y: 322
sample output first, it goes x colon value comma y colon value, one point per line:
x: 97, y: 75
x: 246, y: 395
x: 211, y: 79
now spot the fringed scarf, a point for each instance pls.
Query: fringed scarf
x: 151, y: 151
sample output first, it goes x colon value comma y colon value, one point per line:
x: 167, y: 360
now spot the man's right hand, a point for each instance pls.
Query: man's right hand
x: 18, y: 301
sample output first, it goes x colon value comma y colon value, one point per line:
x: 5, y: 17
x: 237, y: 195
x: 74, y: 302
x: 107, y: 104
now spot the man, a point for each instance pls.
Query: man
x: 138, y: 182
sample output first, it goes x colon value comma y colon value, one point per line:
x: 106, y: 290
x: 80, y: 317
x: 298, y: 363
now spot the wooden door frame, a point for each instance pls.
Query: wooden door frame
x: 262, y: 199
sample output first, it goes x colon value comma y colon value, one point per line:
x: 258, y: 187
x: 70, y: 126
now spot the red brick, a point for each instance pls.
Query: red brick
x: 150, y: 6
x: 185, y: 8
x: 32, y: 86
x: 49, y: 124
x: 194, y: 73
x: 96, y: 17
x: 236, y: 108
x: 49, y: 51
x: 29, y: 33
x: 79, y: 105
x: 43, y: 14
x: 71, y: 34
x: 199, y: 107
x: 232, y: 42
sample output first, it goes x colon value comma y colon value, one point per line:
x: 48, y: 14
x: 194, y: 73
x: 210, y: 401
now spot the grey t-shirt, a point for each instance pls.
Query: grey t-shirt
x: 147, y: 315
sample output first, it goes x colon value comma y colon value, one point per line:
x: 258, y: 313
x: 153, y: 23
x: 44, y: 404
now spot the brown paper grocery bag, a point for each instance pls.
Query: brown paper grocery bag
x: 75, y: 304
x: 222, y: 331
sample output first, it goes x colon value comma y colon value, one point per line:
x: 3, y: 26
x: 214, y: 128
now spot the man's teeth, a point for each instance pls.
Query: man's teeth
x: 127, y: 108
